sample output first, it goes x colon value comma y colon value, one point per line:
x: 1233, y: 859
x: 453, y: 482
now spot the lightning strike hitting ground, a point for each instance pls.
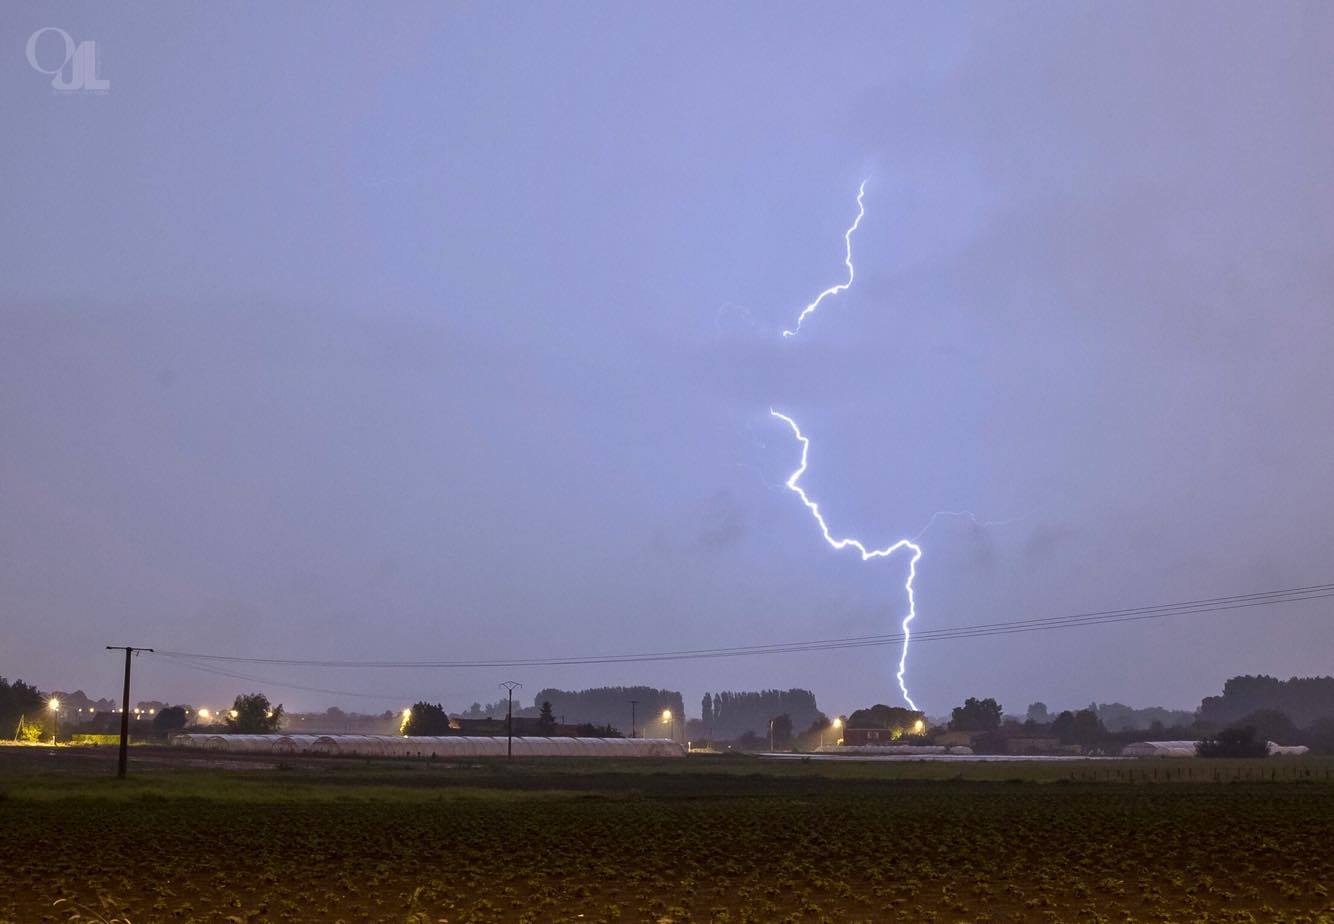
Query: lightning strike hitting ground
x: 847, y: 261
x: 867, y: 554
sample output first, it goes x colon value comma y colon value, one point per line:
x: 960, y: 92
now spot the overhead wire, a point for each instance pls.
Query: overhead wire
x: 979, y: 630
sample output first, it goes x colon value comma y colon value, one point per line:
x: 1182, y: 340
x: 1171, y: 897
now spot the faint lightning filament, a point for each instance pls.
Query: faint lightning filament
x: 847, y: 261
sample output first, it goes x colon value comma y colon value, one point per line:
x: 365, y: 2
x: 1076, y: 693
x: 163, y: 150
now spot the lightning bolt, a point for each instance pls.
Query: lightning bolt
x: 867, y: 554
x: 847, y: 261
x: 812, y: 506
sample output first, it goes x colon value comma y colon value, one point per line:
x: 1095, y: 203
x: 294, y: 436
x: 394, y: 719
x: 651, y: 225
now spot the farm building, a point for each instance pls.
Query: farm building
x: 426, y: 746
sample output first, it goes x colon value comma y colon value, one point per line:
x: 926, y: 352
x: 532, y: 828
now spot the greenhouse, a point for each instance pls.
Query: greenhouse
x: 1160, y: 749
x: 432, y: 746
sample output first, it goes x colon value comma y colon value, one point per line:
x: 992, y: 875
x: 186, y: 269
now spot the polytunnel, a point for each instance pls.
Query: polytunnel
x: 1159, y: 749
x: 449, y: 746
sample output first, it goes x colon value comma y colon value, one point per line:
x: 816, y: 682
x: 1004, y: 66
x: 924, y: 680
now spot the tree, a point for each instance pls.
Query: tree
x: 976, y: 715
x: 426, y: 719
x: 735, y: 712
x: 1233, y: 742
x: 608, y: 705
x: 898, y: 720
x: 589, y: 730
x: 252, y: 714
x: 1082, y: 727
x: 1319, y: 736
x: 1037, y: 712
x: 1271, y: 725
x: 169, y: 719
x: 1302, y: 699
x: 546, y: 719
x: 18, y: 700
x: 706, y: 710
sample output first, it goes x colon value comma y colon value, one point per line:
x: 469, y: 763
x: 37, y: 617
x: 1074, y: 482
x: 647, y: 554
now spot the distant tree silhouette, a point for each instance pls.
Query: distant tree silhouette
x: 254, y: 715
x: 1302, y: 699
x: 706, y: 710
x: 169, y: 719
x: 426, y: 719
x: 976, y: 715
x: 1082, y: 727
x: 589, y: 730
x: 611, y: 705
x: 17, y: 700
x: 546, y: 719
x: 1271, y: 725
x: 1037, y: 712
x: 1233, y: 742
x: 1319, y: 736
x: 895, y: 718
x: 737, y: 712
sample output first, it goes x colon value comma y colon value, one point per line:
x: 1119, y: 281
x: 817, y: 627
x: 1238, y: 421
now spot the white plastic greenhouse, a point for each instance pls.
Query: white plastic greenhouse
x: 1159, y: 749
x: 443, y: 746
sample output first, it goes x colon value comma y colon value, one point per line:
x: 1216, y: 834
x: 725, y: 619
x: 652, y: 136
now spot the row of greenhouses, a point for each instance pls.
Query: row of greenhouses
x: 431, y: 746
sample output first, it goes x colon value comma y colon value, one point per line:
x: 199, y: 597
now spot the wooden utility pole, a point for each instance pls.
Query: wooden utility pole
x: 633, y: 704
x: 123, y: 762
x: 509, y: 685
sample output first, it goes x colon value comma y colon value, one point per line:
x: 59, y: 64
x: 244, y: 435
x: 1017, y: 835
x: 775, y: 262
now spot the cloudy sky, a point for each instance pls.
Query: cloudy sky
x: 452, y: 330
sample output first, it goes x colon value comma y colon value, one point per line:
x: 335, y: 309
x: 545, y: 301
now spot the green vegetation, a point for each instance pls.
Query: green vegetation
x: 253, y: 714
x: 426, y: 719
x: 716, y: 839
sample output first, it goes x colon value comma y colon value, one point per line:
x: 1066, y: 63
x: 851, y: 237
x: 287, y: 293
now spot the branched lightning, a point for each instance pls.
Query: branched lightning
x: 792, y: 481
x: 867, y: 554
x: 847, y: 261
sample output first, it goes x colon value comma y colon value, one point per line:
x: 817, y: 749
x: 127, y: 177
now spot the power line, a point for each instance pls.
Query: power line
x: 980, y: 630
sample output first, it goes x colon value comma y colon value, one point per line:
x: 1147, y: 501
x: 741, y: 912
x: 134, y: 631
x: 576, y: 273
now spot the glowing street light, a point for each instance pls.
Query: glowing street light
x: 204, y: 713
x: 54, y: 705
x: 918, y: 727
x: 837, y: 724
x: 667, y: 720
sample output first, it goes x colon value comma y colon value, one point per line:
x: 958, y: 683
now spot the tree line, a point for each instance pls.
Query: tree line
x: 731, y: 714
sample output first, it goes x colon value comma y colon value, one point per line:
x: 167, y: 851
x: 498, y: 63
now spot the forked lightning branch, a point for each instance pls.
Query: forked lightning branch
x: 904, y: 545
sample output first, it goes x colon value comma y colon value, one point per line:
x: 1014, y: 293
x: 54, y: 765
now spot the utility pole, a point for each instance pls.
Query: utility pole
x: 123, y: 762
x: 633, y: 704
x: 509, y: 685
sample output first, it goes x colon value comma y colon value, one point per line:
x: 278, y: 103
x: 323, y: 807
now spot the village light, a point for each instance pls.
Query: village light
x: 919, y: 726
x: 203, y: 712
x: 233, y: 713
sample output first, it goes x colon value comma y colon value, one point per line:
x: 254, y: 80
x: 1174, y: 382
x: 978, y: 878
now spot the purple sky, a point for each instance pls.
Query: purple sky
x: 451, y: 332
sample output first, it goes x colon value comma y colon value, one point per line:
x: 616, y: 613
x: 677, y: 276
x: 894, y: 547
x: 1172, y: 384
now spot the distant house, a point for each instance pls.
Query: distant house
x: 1032, y: 744
x: 863, y: 737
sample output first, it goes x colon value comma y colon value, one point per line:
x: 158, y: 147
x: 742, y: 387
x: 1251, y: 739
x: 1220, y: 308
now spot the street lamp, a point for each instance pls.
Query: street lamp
x: 837, y: 724
x: 54, y: 705
x: 667, y: 720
